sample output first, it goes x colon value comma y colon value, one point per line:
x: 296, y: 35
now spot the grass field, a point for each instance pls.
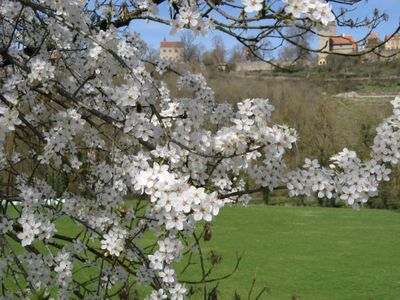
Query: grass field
x: 306, y: 252
x: 313, y: 253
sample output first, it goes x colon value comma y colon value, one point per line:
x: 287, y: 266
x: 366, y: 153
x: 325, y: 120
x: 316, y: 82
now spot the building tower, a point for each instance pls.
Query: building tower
x: 325, y: 34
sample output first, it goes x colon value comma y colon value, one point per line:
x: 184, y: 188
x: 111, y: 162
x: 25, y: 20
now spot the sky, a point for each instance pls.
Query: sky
x: 152, y: 33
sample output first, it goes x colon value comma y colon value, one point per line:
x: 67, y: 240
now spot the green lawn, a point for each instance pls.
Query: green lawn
x: 310, y: 252
x: 314, y: 253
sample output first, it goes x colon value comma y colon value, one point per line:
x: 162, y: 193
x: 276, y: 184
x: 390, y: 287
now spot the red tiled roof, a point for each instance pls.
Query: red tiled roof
x: 342, y: 40
x: 395, y: 37
x: 373, y: 36
x: 171, y: 44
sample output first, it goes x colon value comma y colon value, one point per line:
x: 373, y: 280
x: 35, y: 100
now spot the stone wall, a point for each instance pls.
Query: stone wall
x: 253, y: 66
x: 383, y: 55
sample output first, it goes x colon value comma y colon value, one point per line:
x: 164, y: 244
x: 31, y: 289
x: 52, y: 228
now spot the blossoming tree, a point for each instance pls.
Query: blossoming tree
x: 78, y: 99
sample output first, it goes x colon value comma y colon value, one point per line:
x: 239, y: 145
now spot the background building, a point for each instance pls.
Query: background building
x: 343, y: 44
x: 171, y: 51
x: 324, y: 37
x: 392, y: 43
x: 372, y: 41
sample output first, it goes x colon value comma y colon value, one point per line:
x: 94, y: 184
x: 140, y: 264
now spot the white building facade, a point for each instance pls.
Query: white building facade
x: 171, y: 51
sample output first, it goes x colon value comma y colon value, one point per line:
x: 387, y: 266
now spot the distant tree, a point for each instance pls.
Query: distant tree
x: 237, y: 54
x: 297, y: 45
x: 207, y: 58
x: 217, y: 54
x: 258, y: 51
x: 265, y: 49
x: 219, y: 49
x: 150, y: 53
x: 192, y: 51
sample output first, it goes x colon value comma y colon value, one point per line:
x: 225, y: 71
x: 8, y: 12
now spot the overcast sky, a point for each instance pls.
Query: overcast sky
x: 152, y: 33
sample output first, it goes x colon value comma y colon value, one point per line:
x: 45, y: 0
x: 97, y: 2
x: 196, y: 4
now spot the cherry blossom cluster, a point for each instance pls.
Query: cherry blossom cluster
x: 113, y: 241
x: 8, y: 120
x: 59, y: 138
x: 316, y: 10
x: 190, y: 18
x: 252, y: 5
x: 349, y: 178
x: 63, y: 268
x: 149, y: 6
x: 311, y: 178
x: 169, y: 250
x: 319, y: 11
x: 163, y: 65
x: 33, y: 227
x: 41, y: 71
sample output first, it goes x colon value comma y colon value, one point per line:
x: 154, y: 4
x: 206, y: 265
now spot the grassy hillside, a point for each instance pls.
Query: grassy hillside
x: 313, y: 253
